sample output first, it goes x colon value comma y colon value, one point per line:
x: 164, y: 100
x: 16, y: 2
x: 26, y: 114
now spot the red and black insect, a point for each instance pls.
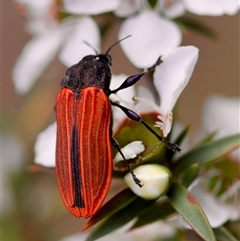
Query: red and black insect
x: 84, y: 133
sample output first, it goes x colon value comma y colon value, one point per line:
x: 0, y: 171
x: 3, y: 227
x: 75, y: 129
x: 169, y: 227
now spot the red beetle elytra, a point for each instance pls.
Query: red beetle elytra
x: 84, y: 133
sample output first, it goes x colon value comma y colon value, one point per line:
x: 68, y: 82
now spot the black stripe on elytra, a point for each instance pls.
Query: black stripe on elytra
x: 75, y: 162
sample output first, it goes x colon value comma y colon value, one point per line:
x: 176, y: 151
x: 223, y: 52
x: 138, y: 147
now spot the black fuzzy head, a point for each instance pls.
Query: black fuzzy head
x: 92, y: 70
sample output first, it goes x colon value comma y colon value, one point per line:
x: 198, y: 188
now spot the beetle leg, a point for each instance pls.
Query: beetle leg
x: 117, y: 147
x: 134, y: 116
x: 131, y: 80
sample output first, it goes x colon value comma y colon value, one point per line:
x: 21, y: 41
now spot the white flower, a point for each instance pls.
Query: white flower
x: 152, y: 36
x: 154, y: 178
x: 67, y: 38
x: 75, y: 49
x: 40, y: 15
x: 36, y: 56
x: 130, y: 151
x: 170, y: 78
x: 43, y: 47
x: 90, y: 7
x: 221, y: 114
x: 12, y: 156
x: 45, y: 147
x: 212, y: 7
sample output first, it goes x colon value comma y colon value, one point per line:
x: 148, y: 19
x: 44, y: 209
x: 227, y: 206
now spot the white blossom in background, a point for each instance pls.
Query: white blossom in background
x: 212, y: 7
x: 90, y: 7
x: 40, y: 15
x: 43, y: 48
x: 221, y: 114
x: 12, y: 156
x: 66, y: 38
x: 217, y: 209
x: 45, y: 146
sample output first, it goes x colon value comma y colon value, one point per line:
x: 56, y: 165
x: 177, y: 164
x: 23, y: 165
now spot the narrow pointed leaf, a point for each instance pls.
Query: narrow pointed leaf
x: 118, y: 202
x: 207, y: 152
x: 119, y: 218
x: 196, y: 26
x: 178, y: 141
x: 188, y: 207
x: 155, y: 212
x: 182, y: 135
x: 190, y: 174
x: 223, y: 234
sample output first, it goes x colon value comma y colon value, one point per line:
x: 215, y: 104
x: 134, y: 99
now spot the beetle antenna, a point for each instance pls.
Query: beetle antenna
x: 117, y: 43
x: 89, y: 45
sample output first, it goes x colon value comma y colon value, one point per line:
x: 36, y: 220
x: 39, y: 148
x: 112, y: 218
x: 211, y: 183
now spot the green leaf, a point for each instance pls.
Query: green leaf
x: 118, y: 202
x: 207, y: 139
x: 223, y: 234
x: 190, y: 174
x: 207, y: 152
x: 188, y: 207
x: 182, y: 135
x: 152, y: 3
x: 154, y: 212
x: 119, y: 218
x: 187, y: 23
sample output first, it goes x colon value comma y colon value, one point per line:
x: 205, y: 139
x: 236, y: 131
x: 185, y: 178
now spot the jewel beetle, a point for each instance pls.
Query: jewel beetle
x: 84, y: 133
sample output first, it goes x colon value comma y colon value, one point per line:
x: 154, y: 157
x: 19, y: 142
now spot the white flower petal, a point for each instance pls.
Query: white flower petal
x: 151, y: 105
x: 212, y: 7
x: 172, y: 10
x: 35, y: 57
x: 39, y: 14
x: 142, y: 106
x: 171, y: 77
x: 90, y: 7
x: 130, y: 151
x: 152, y: 36
x: 75, y: 49
x: 36, y: 8
x: 12, y: 156
x: 45, y: 147
x: 222, y: 114
x: 155, y: 179
x: 126, y: 8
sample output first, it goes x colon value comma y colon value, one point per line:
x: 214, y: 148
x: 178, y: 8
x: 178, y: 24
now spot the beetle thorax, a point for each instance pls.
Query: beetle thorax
x: 90, y: 71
